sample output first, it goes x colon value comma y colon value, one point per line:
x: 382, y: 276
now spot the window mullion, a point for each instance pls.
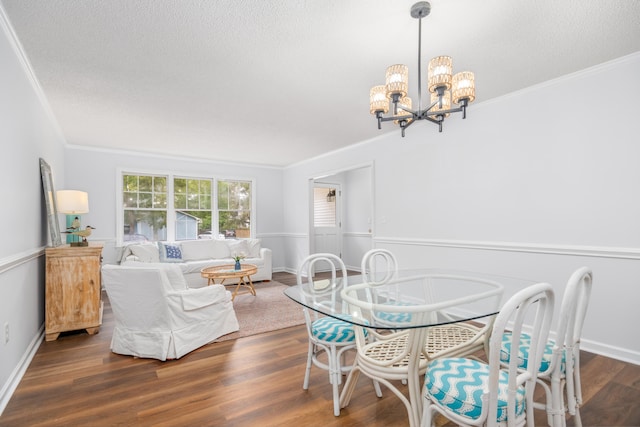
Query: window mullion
x: 171, y: 212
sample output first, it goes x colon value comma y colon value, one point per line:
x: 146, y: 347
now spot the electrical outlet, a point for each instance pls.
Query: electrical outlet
x: 6, y: 332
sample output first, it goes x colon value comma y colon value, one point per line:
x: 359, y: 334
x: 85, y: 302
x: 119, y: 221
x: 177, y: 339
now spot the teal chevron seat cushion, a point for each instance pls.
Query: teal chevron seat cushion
x: 394, y: 317
x: 333, y: 330
x: 523, y: 352
x: 458, y: 385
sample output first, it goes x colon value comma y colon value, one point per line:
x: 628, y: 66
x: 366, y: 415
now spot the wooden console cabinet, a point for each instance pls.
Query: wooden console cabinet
x: 73, y: 286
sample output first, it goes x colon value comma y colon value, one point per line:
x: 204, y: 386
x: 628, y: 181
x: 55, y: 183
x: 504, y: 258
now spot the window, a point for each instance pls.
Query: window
x: 324, y: 207
x: 145, y: 207
x: 234, y: 208
x: 167, y: 207
x: 192, y: 202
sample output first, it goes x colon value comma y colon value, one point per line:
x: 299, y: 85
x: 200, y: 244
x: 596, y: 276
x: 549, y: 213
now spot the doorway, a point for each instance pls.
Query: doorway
x: 350, y: 234
x: 327, y: 223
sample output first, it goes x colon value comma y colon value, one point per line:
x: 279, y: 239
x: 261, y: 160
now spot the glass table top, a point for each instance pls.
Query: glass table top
x: 406, y: 298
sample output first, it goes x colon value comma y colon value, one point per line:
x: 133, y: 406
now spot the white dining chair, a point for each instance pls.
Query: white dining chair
x: 380, y: 266
x: 398, y: 353
x: 473, y: 393
x: 559, y: 372
x: 327, y: 335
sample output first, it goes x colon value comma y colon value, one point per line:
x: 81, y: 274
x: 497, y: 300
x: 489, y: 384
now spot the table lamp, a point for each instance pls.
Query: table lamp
x: 73, y: 203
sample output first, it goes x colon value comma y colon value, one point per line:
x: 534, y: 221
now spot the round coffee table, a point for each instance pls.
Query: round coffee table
x: 227, y: 271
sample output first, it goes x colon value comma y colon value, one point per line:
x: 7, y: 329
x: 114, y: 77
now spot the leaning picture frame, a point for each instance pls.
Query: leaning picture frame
x: 50, y: 202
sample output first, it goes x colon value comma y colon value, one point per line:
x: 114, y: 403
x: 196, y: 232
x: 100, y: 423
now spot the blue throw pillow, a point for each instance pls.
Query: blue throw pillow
x: 170, y: 252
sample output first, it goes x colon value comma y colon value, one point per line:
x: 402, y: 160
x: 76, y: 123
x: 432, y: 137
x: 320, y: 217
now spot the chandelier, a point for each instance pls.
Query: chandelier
x: 444, y: 88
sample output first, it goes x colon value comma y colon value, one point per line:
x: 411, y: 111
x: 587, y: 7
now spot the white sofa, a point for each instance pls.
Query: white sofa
x: 158, y: 316
x: 193, y: 255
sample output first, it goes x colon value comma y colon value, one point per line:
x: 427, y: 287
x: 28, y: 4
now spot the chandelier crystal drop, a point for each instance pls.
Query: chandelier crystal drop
x: 444, y: 88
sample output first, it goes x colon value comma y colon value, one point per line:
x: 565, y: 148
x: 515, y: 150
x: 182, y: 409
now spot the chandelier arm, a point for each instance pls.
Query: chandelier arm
x: 439, y: 112
x: 426, y: 110
x: 406, y: 124
x: 437, y: 122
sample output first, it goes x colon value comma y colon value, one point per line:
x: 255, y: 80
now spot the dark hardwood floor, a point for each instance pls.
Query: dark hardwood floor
x: 257, y: 380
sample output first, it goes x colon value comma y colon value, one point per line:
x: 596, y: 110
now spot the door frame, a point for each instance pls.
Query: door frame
x: 329, y: 176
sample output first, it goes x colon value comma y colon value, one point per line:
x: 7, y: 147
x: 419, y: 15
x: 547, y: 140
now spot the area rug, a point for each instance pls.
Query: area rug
x: 269, y: 310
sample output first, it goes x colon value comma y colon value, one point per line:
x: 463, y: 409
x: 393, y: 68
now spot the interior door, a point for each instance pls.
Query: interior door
x: 327, y: 225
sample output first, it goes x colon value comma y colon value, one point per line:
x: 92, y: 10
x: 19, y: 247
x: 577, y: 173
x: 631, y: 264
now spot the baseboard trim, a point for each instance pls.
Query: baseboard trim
x: 613, y: 352
x: 16, y: 376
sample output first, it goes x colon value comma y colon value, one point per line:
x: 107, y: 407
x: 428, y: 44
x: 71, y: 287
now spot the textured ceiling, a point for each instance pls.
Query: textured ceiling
x: 275, y: 82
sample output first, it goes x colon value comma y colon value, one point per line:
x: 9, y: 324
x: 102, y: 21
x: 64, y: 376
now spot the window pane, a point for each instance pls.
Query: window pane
x: 180, y: 201
x: 145, y: 183
x: 205, y: 201
x: 130, y: 183
x: 180, y: 186
x: 192, y: 224
x: 160, y: 184
x: 205, y: 186
x: 223, y: 195
x: 324, y: 207
x: 130, y: 200
x: 193, y: 201
x: 234, y: 208
x: 142, y: 224
x: 160, y: 200
x: 145, y: 200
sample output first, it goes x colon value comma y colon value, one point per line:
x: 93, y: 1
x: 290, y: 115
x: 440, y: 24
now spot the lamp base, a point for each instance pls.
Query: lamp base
x: 74, y: 244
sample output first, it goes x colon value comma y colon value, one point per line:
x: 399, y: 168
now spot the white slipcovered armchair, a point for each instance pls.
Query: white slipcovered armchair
x: 158, y: 316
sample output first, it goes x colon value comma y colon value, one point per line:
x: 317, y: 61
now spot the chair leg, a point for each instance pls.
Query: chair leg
x: 426, y: 419
x: 349, y: 386
x: 557, y: 403
x: 335, y: 377
x: 376, y: 387
x: 307, y: 372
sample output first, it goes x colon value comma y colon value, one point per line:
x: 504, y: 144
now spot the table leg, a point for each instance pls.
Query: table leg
x: 241, y: 282
x: 253, y: 290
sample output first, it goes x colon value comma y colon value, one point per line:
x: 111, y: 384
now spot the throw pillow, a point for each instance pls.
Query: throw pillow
x: 145, y: 253
x: 238, y: 248
x: 220, y: 249
x: 170, y: 252
x: 254, y: 248
x: 197, y: 249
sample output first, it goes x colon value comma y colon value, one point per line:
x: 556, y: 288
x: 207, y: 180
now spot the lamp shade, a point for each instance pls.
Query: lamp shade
x: 72, y: 202
x: 464, y: 87
x: 378, y: 100
x: 440, y: 71
x: 397, y: 79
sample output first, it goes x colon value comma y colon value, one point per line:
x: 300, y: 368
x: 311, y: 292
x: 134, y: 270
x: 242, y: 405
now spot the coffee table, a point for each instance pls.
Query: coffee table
x: 227, y: 271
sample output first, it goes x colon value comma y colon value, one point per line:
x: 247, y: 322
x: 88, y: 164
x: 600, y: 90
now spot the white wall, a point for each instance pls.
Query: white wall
x: 26, y: 134
x: 357, y: 215
x: 96, y: 172
x: 533, y: 184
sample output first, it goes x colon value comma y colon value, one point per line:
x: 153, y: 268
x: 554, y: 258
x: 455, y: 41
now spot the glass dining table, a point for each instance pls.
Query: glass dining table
x: 453, y: 296
x: 418, y: 300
